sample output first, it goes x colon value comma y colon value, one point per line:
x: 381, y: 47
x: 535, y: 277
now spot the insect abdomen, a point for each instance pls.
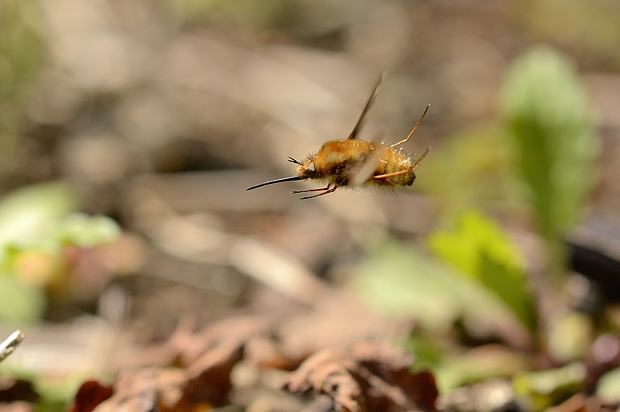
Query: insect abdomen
x: 393, y: 162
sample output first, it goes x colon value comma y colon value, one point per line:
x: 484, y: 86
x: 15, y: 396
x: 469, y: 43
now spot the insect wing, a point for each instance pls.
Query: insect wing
x: 366, y: 108
x: 365, y: 170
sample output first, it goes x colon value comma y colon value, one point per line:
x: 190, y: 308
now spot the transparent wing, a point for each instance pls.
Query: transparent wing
x: 362, y: 172
x: 366, y: 108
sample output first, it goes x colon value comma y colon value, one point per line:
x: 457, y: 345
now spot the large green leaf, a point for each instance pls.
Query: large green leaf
x: 402, y: 281
x: 480, y: 250
x: 547, y: 116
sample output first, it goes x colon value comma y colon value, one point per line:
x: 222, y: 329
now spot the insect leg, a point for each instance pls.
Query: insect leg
x: 412, y: 132
x: 332, y: 190
x: 419, y: 160
x: 400, y: 172
x: 312, y: 190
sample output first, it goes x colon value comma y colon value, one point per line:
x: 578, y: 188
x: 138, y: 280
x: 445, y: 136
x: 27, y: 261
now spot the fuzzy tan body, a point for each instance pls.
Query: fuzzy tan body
x: 352, y: 162
x: 338, y: 162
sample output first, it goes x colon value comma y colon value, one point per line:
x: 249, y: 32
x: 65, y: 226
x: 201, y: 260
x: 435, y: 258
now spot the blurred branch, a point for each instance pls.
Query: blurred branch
x: 8, y: 346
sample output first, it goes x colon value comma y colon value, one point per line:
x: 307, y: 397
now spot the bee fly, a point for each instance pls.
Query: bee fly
x: 352, y: 162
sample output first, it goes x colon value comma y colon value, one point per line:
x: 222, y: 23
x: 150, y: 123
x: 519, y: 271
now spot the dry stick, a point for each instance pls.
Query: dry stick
x: 9, y: 345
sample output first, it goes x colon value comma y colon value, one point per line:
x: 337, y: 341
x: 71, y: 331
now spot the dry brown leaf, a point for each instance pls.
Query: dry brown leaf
x: 367, y: 376
x: 145, y: 390
x: 14, y: 390
x: 581, y: 403
x: 90, y: 395
x: 208, y: 379
x: 234, y: 333
x: 364, y: 377
x: 186, y: 345
x: 329, y: 372
x: 394, y: 367
x: 205, y: 383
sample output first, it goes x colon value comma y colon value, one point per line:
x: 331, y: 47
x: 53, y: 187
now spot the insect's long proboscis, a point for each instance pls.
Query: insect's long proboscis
x: 271, y: 182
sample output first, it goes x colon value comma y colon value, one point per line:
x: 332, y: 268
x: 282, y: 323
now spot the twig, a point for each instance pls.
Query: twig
x: 9, y: 345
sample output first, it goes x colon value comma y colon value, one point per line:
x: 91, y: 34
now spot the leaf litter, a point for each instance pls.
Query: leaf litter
x: 340, y: 359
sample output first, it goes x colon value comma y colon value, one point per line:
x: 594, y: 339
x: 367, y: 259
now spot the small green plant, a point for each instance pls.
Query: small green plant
x: 547, y: 117
x: 401, y: 280
x: 483, y: 253
x: 37, y: 225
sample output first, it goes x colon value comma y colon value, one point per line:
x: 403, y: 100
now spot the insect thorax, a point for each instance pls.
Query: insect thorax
x: 338, y: 156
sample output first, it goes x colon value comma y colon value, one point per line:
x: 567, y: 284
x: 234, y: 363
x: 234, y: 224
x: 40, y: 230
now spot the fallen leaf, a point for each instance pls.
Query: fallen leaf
x: 367, y: 376
x: 204, y: 384
x: 208, y: 379
x: 551, y: 386
x: 90, y: 395
x: 329, y: 372
x: 581, y: 403
x: 12, y: 390
x: 145, y: 390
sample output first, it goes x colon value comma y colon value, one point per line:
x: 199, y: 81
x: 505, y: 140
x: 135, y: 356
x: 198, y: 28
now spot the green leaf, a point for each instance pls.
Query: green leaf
x: 41, y: 217
x: 402, y: 281
x: 29, y: 214
x: 608, y: 386
x: 550, y: 387
x: 547, y: 117
x: 86, y: 231
x: 480, y: 250
x: 427, y: 351
x: 476, y: 365
x: 569, y: 337
x: 20, y: 304
x: 36, y: 223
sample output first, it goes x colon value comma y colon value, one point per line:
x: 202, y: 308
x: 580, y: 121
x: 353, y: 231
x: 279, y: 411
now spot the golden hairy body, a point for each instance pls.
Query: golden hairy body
x: 352, y: 162
x: 339, y: 162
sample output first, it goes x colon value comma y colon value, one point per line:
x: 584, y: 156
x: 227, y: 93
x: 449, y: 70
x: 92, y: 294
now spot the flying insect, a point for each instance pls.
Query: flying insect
x: 352, y: 163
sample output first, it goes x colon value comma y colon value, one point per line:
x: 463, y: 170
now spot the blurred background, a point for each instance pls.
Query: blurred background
x: 129, y: 132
